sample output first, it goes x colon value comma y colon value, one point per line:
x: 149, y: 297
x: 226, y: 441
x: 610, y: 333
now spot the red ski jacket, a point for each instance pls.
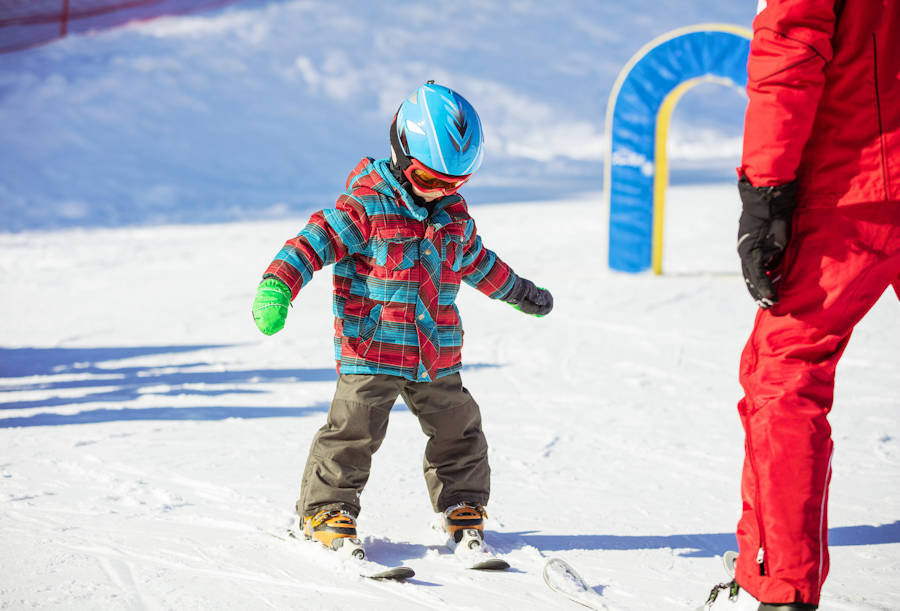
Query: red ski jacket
x: 824, y: 87
x: 397, y: 270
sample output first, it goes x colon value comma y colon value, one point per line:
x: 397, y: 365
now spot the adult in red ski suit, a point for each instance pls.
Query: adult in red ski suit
x: 819, y: 242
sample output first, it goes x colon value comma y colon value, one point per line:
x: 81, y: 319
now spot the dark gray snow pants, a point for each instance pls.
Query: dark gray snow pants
x: 455, y: 463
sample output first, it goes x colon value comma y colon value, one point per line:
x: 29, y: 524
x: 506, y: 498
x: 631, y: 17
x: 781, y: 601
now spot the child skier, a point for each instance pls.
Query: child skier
x: 401, y: 240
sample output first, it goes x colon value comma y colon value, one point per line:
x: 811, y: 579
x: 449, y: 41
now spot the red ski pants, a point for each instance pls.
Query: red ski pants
x: 838, y: 264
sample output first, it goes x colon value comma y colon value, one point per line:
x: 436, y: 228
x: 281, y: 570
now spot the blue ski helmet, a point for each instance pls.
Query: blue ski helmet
x: 440, y: 128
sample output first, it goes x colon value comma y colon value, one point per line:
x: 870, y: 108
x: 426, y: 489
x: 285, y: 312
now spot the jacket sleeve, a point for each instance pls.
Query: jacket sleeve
x: 790, y: 48
x: 484, y: 270
x: 330, y: 235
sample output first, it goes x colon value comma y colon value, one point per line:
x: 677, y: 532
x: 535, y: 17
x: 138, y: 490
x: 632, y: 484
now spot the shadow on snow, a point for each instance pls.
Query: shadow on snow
x: 161, y: 413
x: 700, y: 545
x: 19, y: 362
x: 125, y: 384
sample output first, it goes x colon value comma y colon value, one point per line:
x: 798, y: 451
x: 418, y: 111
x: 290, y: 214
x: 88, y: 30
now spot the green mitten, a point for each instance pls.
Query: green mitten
x: 270, y: 307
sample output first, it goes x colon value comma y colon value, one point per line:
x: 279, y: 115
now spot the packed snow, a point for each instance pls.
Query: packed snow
x: 154, y: 439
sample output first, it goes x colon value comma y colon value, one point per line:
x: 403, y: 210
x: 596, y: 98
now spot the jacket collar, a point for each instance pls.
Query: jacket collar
x: 390, y: 186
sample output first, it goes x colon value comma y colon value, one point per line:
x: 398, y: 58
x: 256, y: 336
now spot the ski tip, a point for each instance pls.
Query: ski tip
x: 491, y: 564
x: 729, y: 559
x: 559, y: 574
x: 563, y: 579
x: 397, y: 573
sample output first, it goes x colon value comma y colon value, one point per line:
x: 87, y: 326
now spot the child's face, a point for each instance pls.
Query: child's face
x: 428, y: 197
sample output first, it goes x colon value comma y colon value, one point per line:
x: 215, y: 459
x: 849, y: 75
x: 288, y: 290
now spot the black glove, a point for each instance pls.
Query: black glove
x: 525, y: 296
x: 763, y: 233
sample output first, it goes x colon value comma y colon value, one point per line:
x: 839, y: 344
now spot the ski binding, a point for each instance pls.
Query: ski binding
x: 474, y: 554
x: 471, y: 541
x: 349, y: 546
x: 353, y: 548
x: 470, y: 550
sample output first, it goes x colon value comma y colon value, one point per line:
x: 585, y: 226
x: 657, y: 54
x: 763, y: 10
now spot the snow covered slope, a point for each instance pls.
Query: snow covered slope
x: 264, y: 107
x: 153, y: 439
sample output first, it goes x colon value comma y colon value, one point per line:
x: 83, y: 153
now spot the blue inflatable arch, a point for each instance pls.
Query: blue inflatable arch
x: 637, y: 123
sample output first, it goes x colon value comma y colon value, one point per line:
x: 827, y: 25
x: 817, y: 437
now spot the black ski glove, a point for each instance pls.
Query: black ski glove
x: 528, y: 298
x: 763, y: 233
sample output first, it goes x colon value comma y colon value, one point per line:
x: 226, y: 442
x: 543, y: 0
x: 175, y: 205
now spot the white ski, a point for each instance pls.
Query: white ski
x: 397, y: 573
x: 563, y: 579
x: 480, y: 558
x: 351, y: 551
x: 471, y: 550
x: 729, y: 559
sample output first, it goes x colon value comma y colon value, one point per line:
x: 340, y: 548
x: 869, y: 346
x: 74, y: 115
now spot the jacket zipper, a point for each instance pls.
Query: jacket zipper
x: 881, y: 139
x: 761, y: 554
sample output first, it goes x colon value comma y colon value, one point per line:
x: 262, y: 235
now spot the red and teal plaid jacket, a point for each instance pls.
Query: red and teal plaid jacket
x: 396, y: 274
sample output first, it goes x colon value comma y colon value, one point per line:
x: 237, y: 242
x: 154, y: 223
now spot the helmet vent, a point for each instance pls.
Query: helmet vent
x: 461, y: 125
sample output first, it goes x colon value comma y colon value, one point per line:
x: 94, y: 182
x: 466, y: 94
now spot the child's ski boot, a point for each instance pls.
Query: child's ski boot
x: 464, y: 525
x: 336, y: 530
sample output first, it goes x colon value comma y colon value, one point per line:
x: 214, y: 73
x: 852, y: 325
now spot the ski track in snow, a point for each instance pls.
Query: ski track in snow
x: 153, y: 440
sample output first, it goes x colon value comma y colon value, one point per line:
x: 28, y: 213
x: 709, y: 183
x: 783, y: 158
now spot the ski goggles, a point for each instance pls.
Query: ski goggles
x: 428, y: 181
